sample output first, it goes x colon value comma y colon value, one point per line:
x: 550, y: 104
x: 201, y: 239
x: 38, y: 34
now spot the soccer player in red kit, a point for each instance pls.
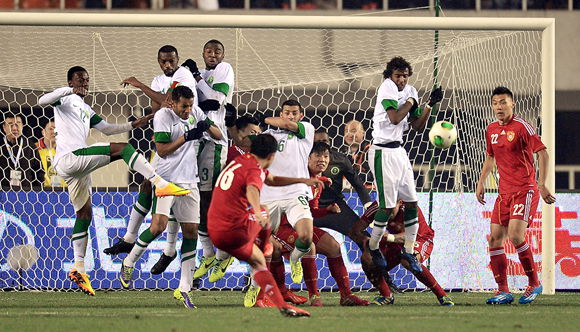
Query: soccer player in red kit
x: 390, y: 246
x: 510, y: 144
x: 244, y: 127
x: 232, y: 224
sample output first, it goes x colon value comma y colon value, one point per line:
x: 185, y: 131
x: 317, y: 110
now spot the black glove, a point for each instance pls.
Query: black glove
x: 435, y: 97
x: 231, y: 115
x: 197, y: 132
x: 192, y: 66
x: 414, y: 107
x: 209, y: 105
x: 262, y: 118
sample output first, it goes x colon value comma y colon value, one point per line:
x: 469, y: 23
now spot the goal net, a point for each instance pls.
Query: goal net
x: 334, y: 73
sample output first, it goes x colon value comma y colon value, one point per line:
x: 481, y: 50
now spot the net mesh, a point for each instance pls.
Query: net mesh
x: 333, y: 73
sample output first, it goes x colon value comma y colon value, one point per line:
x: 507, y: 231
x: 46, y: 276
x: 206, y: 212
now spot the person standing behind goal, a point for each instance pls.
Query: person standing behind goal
x: 75, y: 161
x: 396, y: 108
x: 510, y: 144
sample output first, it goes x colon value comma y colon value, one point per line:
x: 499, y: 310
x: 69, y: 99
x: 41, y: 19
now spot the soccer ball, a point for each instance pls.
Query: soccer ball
x: 22, y: 257
x: 443, y: 134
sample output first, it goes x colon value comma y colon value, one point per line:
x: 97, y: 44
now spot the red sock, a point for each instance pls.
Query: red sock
x: 310, y: 274
x: 279, y: 274
x: 527, y: 260
x: 383, y: 288
x: 499, y: 267
x: 338, y: 272
x: 266, y: 282
x: 429, y: 280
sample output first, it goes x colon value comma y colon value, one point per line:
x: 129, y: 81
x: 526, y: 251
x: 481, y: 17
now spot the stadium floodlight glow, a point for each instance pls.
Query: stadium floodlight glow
x: 316, y: 59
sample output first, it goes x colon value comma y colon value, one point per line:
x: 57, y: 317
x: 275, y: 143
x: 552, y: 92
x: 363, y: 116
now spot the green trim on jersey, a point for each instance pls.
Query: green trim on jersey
x: 416, y: 113
x: 217, y: 165
x: 221, y: 87
x: 94, y: 120
x: 389, y: 103
x: 56, y: 103
x: 162, y: 137
x: 208, y: 120
x: 301, y: 130
x: 104, y: 150
x: 379, y: 177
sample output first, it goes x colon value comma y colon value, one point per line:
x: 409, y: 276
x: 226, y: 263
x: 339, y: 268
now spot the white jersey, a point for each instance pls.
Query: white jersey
x: 73, y: 120
x: 181, y: 165
x: 182, y: 76
x: 220, y: 79
x: 291, y: 160
x: 389, y: 96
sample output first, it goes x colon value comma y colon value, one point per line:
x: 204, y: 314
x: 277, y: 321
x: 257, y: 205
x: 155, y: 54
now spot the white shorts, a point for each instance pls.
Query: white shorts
x: 185, y: 209
x: 294, y: 208
x: 75, y: 168
x: 211, y: 159
x: 393, y: 175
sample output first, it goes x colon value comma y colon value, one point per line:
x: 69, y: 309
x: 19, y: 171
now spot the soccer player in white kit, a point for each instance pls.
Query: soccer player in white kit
x: 214, y: 83
x: 75, y: 161
x: 160, y: 91
x: 396, y: 109
x: 295, y: 139
x: 176, y: 128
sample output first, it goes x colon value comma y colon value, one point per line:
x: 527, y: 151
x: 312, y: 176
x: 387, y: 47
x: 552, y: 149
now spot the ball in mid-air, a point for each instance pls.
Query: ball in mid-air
x: 443, y: 134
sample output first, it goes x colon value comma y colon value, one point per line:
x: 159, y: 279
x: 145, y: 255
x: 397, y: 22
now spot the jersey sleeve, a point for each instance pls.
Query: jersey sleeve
x: 488, y: 147
x: 156, y: 86
x: 254, y: 177
x: 305, y: 131
x: 162, y: 127
x: 223, y: 78
x: 531, y: 138
x: 388, y: 95
x: 198, y: 114
x: 183, y: 76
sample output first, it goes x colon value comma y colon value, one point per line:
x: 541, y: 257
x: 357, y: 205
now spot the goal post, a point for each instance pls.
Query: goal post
x: 267, y: 87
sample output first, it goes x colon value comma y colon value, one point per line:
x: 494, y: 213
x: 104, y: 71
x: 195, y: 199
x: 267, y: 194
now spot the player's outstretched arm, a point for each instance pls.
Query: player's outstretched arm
x: 420, y: 120
x: 543, y: 159
x: 156, y: 98
x: 280, y: 123
x: 278, y: 181
x: 485, y: 170
x: 253, y: 196
x: 396, y: 115
x: 52, y: 97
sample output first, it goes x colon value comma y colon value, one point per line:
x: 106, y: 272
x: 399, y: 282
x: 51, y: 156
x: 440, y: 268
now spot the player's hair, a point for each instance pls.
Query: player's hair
x: 168, y: 49
x: 181, y: 91
x: 245, y: 120
x: 399, y: 63
x: 292, y: 102
x: 320, y: 148
x: 264, y: 145
x: 214, y: 41
x: 71, y: 72
x: 320, y: 131
x: 502, y: 90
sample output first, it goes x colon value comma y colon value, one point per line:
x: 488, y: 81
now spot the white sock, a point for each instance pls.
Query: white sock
x: 135, y: 221
x: 135, y: 253
x: 172, y: 230
x: 376, y: 236
x: 158, y: 181
x: 221, y: 255
x: 187, y: 270
x: 206, y: 245
x: 296, y: 254
x: 80, y: 249
x: 410, y: 237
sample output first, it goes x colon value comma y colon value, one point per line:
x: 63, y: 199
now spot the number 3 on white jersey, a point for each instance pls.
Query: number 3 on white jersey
x: 224, y: 181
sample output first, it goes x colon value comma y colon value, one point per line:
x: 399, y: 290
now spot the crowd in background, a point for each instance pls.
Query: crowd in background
x: 286, y: 4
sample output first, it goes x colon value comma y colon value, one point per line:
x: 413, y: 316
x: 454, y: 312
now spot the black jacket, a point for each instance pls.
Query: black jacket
x: 341, y: 166
x: 29, y: 164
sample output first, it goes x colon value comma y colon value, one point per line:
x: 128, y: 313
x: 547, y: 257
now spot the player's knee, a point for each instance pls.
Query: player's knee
x: 516, y: 239
x: 305, y: 238
x: 189, y: 231
x: 495, y: 241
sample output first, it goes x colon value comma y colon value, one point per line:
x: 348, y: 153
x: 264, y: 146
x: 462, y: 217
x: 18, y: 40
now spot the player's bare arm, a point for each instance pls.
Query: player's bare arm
x: 281, y: 123
x: 142, y: 121
x: 485, y: 170
x: 395, y: 116
x: 278, y: 181
x: 214, y: 132
x: 418, y: 123
x: 165, y: 149
x: 543, y: 159
x: 253, y: 196
x: 156, y: 98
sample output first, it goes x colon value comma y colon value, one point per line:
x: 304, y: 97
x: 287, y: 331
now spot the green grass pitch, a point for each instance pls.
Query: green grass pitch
x: 223, y: 311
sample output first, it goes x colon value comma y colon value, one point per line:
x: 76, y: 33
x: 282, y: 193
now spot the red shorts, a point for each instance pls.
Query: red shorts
x: 521, y: 205
x: 286, y: 235
x: 392, y: 251
x: 238, y: 242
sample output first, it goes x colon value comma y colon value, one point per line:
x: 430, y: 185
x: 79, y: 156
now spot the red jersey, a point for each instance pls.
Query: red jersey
x: 229, y: 207
x: 395, y: 225
x: 233, y: 152
x: 316, y: 192
x: 513, y: 145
